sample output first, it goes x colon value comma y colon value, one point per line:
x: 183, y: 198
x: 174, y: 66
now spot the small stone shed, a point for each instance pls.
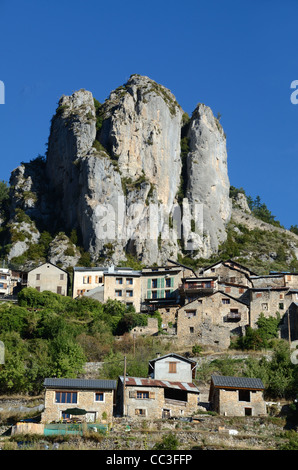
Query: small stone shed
x: 97, y: 397
x: 237, y: 396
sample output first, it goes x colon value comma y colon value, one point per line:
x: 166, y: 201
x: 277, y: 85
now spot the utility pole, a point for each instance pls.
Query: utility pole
x: 124, y: 386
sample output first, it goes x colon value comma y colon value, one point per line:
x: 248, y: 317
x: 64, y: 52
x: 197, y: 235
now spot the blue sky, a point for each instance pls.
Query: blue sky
x: 238, y: 57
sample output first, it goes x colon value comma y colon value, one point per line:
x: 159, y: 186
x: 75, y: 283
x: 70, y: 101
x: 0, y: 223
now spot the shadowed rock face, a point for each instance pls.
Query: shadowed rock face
x: 114, y: 172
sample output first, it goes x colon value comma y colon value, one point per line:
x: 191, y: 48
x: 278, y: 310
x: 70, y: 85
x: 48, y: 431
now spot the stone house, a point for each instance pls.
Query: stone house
x: 269, y: 301
x: 212, y: 320
x: 229, y: 272
x: 167, y: 392
x: 237, y: 396
x: 97, y: 397
x: 48, y: 277
x: 155, y: 399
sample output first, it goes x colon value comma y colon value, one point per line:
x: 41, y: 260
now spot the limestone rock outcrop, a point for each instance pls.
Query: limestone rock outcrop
x: 115, y: 172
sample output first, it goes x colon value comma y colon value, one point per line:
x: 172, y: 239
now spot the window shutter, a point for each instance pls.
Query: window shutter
x: 148, y: 283
x: 151, y: 394
x: 148, y: 294
x: 162, y: 294
x: 172, y: 282
x: 162, y: 283
x: 158, y: 283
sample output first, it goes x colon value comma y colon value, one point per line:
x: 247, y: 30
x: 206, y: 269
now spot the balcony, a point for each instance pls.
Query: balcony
x: 196, y: 288
x: 233, y: 317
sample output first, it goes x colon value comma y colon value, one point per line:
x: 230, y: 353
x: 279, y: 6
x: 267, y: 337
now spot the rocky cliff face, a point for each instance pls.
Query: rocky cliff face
x: 115, y: 172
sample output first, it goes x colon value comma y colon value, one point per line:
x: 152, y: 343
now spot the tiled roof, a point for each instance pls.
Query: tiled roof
x: 237, y: 382
x: 80, y: 384
x: 147, y: 382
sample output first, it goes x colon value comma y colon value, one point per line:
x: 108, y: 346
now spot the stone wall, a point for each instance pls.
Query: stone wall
x: 226, y: 402
x: 86, y: 400
x: 157, y: 405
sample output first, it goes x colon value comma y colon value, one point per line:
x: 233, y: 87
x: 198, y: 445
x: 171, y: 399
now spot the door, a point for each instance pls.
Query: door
x: 90, y: 417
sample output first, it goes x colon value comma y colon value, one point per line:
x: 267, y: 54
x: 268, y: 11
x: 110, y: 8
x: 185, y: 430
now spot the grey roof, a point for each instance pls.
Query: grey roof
x: 80, y: 383
x: 237, y: 382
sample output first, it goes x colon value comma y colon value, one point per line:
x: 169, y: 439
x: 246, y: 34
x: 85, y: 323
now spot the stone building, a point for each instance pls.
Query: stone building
x: 237, y: 396
x: 155, y: 399
x: 167, y: 392
x: 48, y: 277
x: 96, y: 397
x: 212, y: 320
x: 229, y: 272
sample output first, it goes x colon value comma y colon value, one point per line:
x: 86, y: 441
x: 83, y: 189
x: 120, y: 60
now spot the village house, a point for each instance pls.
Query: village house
x: 123, y: 284
x: 96, y: 397
x: 160, y: 286
x: 212, y: 320
x: 237, y: 396
x: 229, y: 271
x: 87, y: 279
x: 167, y: 392
x: 104, y: 283
x: 5, y: 282
x: 48, y: 277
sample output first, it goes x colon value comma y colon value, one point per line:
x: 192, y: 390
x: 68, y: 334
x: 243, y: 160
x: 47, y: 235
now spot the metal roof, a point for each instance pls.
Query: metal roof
x: 80, y: 383
x: 237, y: 382
x: 147, y: 382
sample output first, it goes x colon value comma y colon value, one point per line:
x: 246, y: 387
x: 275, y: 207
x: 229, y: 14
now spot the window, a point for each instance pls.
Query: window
x: 244, y: 395
x: 154, y: 283
x: 119, y: 280
x: 225, y: 301
x: 66, y: 397
x: 142, y: 395
x: 191, y: 329
x: 98, y: 279
x: 190, y: 313
x: 99, y: 396
x: 168, y: 294
x: 129, y: 293
x: 129, y: 280
x: 281, y: 306
x: 118, y: 293
x: 61, y: 277
x: 38, y: 277
x: 140, y: 412
x: 264, y: 306
x: 168, y: 282
x: 59, y: 290
x: 172, y: 367
x: 154, y: 294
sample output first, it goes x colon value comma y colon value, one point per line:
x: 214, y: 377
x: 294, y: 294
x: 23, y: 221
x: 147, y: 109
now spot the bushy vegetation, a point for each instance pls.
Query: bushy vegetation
x: 48, y: 335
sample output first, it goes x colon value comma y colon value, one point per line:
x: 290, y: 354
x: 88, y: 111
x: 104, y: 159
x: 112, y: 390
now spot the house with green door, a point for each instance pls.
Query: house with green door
x: 160, y: 286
